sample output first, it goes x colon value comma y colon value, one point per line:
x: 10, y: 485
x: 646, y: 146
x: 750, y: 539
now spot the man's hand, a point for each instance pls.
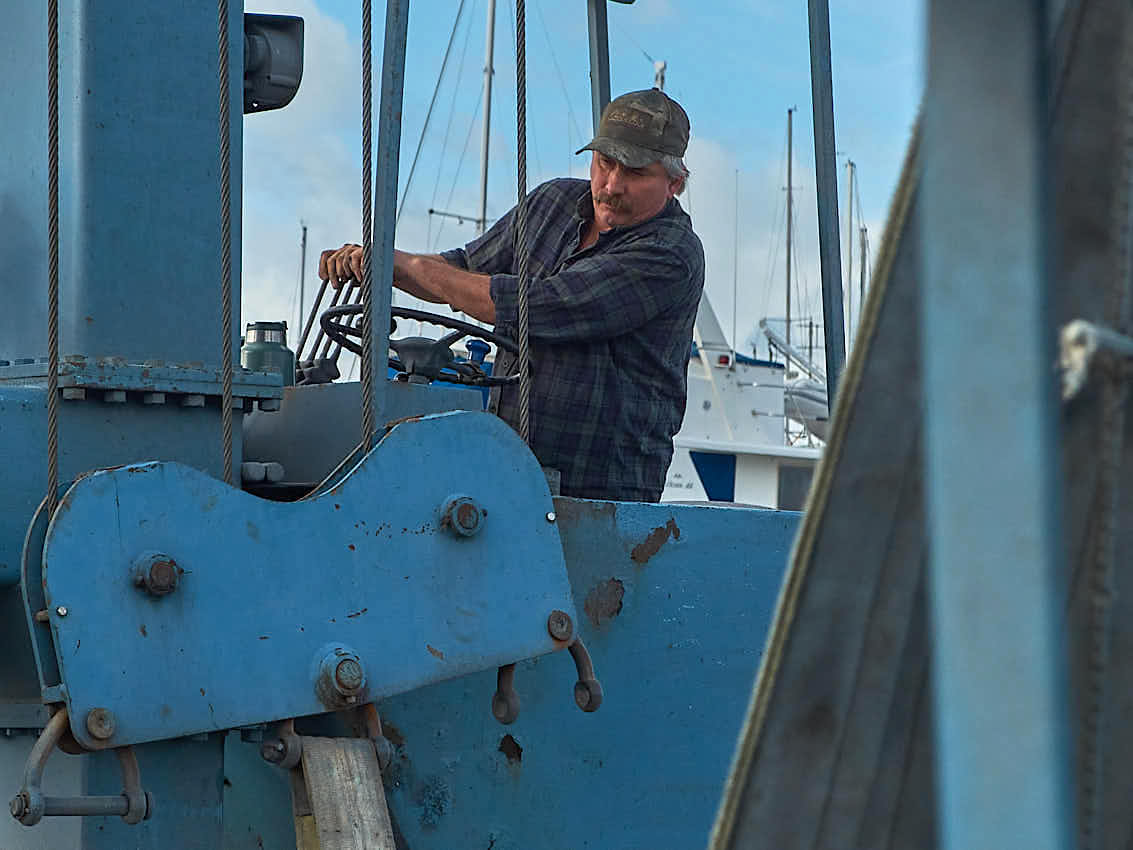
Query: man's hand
x: 342, y: 264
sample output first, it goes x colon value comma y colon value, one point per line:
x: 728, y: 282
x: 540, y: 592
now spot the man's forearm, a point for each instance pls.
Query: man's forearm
x: 430, y: 277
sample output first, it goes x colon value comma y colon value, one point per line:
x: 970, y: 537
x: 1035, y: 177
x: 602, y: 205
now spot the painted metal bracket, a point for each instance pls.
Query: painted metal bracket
x: 177, y: 605
x: 110, y: 378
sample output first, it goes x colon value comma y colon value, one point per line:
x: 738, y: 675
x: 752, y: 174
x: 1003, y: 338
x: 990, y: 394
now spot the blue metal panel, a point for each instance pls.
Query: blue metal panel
x: 991, y: 447
x: 259, y: 605
x: 140, y: 246
x: 677, y: 603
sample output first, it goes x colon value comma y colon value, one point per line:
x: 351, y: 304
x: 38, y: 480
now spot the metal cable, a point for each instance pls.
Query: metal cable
x: 1110, y: 452
x: 521, y: 220
x: 225, y: 246
x: 53, y: 262
x: 367, y: 235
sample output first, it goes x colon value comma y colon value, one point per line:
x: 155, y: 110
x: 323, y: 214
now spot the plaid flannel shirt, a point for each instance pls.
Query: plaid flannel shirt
x: 610, y: 331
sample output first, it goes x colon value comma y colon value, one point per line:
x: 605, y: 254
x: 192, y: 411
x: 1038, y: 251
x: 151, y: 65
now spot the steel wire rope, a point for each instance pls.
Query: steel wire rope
x: 53, y: 261
x: 429, y: 112
x: 367, y: 235
x: 514, y: 56
x: 1110, y: 451
x: 225, y: 245
x: 521, y: 220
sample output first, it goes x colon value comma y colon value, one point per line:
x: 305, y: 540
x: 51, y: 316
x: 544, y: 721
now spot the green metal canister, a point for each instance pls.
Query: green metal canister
x: 265, y: 350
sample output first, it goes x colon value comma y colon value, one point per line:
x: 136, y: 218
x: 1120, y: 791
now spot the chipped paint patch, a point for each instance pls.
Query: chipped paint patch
x: 657, y: 538
x: 511, y: 749
x: 604, y: 601
x: 436, y: 653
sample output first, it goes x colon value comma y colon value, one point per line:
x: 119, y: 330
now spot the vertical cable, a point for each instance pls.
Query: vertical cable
x: 53, y: 262
x: 521, y: 219
x: 367, y: 235
x: 225, y: 245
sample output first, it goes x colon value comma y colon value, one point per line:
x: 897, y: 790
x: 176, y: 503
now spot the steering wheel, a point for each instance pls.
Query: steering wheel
x: 421, y: 357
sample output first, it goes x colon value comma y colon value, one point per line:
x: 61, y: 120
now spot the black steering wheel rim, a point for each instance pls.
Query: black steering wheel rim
x: 336, y: 323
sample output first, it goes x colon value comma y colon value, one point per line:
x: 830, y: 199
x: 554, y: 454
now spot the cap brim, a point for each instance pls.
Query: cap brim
x: 631, y: 156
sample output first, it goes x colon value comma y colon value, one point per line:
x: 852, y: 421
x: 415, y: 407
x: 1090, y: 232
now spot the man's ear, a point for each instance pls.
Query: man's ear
x: 676, y: 186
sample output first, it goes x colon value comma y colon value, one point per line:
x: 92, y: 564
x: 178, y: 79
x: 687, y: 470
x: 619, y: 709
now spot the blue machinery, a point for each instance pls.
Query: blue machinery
x: 178, y: 653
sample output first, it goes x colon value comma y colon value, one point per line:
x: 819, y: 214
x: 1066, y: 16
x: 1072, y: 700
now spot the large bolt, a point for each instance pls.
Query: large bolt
x: 560, y: 626
x: 348, y: 676
x: 156, y: 573
x: 19, y: 805
x: 273, y: 751
x: 100, y: 724
x: 462, y: 516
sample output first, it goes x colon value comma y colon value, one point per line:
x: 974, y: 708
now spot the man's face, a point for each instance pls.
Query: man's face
x: 627, y: 196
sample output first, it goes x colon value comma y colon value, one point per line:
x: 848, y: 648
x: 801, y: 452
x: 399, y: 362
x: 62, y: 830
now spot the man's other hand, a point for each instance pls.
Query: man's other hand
x: 341, y: 264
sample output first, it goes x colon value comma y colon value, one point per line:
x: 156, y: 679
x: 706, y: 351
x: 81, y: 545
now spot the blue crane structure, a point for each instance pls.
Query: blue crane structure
x: 170, y: 639
x: 413, y: 642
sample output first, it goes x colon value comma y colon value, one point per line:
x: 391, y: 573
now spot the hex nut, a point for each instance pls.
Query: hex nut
x: 156, y: 573
x: 348, y: 676
x: 462, y: 516
x: 559, y: 625
x: 100, y: 724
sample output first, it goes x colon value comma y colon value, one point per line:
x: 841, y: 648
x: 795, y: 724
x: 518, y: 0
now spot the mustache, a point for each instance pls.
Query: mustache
x: 614, y: 202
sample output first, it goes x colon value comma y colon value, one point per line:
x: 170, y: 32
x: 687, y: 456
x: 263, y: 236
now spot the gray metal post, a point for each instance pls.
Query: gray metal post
x: 599, y: 58
x: 826, y: 170
x: 385, y: 193
x: 991, y: 451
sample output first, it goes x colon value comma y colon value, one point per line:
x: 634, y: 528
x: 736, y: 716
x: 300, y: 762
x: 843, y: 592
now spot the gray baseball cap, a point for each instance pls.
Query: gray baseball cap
x: 640, y: 127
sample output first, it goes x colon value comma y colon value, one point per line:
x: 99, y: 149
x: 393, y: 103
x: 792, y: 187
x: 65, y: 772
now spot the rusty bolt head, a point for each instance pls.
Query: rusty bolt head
x: 560, y: 625
x: 156, y: 573
x: 19, y: 805
x: 272, y: 751
x: 100, y: 724
x: 348, y: 676
x: 462, y: 516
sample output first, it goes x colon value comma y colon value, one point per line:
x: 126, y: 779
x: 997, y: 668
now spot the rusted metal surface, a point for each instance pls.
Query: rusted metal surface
x: 604, y: 601
x: 100, y: 724
x: 657, y: 538
x: 511, y: 749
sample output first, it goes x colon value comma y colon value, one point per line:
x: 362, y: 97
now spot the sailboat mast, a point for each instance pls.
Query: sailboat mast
x: 861, y: 279
x: 790, y: 215
x: 850, y: 247
x: 489, y: 49
x: 302, y: 272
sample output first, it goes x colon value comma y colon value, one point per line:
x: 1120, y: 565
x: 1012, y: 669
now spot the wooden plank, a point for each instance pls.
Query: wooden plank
x: 345, y: 795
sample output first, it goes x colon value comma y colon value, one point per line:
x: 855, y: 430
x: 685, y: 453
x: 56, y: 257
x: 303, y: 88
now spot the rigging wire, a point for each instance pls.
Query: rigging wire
x: 429, y: 112
x: 521, y: 220
x: 562, y: 80
x: 460, y: 163
x: 452, y: 111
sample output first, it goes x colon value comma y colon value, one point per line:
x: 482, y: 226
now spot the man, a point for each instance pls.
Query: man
x: 615, y: 280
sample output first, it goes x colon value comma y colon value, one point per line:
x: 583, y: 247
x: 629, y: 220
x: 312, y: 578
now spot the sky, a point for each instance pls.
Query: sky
x: 736, y: 69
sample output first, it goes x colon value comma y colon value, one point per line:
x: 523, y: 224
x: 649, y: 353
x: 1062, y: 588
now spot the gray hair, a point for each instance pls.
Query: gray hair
x: 675, y: 167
